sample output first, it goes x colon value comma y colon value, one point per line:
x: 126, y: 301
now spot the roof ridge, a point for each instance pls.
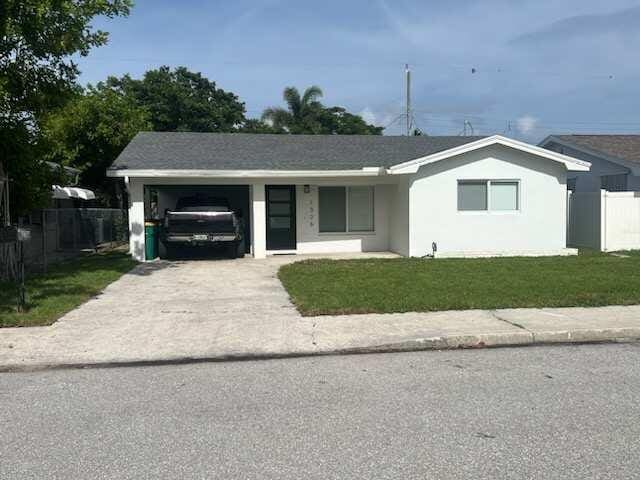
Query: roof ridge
x: 307, y: 135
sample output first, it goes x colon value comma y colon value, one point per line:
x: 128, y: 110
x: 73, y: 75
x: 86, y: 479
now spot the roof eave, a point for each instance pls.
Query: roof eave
x: 364, y: 172
x: 413, y: 166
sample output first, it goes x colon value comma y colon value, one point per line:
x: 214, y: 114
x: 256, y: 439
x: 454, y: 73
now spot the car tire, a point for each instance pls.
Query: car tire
x: 169, y: 252
x: 240, y: 248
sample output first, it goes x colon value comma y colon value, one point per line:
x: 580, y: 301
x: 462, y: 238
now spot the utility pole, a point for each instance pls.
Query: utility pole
x: 408, y: 103
x: 466, y: 124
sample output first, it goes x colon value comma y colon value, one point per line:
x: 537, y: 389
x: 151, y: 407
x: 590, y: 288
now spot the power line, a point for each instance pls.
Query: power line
x: 501, y: 120
x: 394, y: 120
x: 469, y: 69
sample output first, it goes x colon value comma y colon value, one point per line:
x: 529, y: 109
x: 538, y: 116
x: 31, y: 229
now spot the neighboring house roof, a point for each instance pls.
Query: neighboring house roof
x: 247, y: 155
x: 249, y: 151
x: 622, y: 149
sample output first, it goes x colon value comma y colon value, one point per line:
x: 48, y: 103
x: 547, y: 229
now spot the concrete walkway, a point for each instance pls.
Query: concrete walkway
x: 223, y: 309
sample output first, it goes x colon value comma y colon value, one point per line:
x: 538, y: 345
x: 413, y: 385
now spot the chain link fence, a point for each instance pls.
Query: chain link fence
x: 56, y: 234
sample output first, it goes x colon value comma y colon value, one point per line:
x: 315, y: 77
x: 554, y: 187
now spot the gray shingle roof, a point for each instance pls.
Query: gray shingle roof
x: 245, y: 151
x: 624, y: 147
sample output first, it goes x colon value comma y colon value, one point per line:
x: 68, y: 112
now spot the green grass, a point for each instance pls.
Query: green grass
x: 333, y: 287
x: 64, y: 287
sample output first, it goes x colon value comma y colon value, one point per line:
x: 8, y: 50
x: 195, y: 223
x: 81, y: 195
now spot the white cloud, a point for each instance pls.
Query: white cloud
x: 368, y: 116
x: 380, y: 119
x: 526, y: 124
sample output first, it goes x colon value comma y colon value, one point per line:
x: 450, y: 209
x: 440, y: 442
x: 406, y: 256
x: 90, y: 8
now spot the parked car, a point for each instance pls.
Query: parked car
x: 202, y: 221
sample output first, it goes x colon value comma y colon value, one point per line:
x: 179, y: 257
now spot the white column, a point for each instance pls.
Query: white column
x: 258, y: 221
x: 135, y: 188
x: 603, y: 221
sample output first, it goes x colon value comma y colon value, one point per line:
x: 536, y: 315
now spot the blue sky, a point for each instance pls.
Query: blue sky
x: 542, y: 66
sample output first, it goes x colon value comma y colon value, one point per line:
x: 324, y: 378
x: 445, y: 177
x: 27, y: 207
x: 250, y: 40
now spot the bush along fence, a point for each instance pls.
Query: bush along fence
x: 53, y: 235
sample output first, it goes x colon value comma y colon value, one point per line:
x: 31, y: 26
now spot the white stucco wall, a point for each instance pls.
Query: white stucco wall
x: 412, y: 211
x: 135, y: 188
x: 399, y: 217
x: 310, y: 240
x: 539, y: 227
x: 258, y: 221
x: 590, y: 181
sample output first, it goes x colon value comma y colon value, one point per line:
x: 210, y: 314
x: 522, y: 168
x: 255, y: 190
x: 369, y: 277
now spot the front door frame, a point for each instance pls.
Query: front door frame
x: 279, y: 243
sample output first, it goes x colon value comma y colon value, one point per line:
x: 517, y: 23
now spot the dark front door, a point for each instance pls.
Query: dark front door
x: 281, y: 217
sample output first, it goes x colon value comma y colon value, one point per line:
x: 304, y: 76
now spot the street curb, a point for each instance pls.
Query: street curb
x: 453, y: 342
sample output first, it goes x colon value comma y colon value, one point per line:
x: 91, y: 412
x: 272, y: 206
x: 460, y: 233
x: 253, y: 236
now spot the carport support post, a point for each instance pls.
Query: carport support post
x: 258, y: 221
x: 135, y: 188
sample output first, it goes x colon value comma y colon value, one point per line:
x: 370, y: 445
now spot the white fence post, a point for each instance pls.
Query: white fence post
x: 603, y: 220
x: 568, y: 239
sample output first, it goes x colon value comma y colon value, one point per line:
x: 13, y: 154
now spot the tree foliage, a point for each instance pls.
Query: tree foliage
x: 306, y: 114
x: 37, y: 40
x: 254, y: 125
x: 181, y: 100
x: 91, y: 131
x: 337, y: 121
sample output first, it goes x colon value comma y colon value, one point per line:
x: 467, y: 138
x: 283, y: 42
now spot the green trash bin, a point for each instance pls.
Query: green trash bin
x: 151, y: 231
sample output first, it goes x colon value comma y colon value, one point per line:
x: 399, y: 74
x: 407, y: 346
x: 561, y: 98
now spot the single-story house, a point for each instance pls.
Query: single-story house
x: 615, y: 161
x: 461, y: 196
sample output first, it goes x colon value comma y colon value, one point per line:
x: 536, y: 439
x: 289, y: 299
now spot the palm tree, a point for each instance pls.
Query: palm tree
x: 299, y: 109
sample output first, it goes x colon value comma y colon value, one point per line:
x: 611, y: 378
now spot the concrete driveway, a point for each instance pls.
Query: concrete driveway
x: 169, y: 310
x: 218, y: 309
x: 172, y: 310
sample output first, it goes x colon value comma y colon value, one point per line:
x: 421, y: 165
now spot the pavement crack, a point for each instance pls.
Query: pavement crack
x: 313, y: 334
x: 494, y: 314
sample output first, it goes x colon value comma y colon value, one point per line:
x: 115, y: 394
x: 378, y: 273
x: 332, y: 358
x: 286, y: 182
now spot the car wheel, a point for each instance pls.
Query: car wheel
x: 169, y: 252
x: 240, y: 247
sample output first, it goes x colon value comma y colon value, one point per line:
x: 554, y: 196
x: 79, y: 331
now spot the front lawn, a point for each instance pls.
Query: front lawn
x: 63, y: 288
x: 334, y: 287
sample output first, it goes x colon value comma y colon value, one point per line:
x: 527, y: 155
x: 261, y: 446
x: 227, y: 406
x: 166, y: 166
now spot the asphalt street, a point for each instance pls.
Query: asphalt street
x: 520, y: 413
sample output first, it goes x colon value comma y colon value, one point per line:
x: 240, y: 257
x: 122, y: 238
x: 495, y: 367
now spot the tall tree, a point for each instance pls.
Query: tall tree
x: 306, y: 114
x: 37, y: 40
x: 90, y: 132
x: 181, y: 100
x: 298, y: 117
x: 254, y: 125
x: 337, y: 121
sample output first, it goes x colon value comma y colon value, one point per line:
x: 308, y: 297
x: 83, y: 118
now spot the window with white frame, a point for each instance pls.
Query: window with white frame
x: 345, y: 209
x: 488, y: 195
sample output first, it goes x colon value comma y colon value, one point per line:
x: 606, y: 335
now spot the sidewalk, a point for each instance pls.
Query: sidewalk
x: 164, y: 312
x: 44, y: 347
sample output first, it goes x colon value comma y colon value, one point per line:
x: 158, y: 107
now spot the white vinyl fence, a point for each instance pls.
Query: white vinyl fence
x: 606, y: 221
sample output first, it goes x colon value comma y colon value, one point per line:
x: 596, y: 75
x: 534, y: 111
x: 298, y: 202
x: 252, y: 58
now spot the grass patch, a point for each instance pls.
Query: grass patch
x: 334, y: 287
x: 63, y: 288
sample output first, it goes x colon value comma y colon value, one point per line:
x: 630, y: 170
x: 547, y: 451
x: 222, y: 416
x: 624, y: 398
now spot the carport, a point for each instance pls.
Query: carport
x: 160, y: 198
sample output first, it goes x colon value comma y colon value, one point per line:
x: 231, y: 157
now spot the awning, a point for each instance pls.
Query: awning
x: 60, y: 193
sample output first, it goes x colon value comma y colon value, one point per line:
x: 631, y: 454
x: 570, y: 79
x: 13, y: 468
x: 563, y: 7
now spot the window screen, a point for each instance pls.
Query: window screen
x: 360, y: 209
x: 472, y: 195
x: 332, y: 205
x: 504, y: 196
